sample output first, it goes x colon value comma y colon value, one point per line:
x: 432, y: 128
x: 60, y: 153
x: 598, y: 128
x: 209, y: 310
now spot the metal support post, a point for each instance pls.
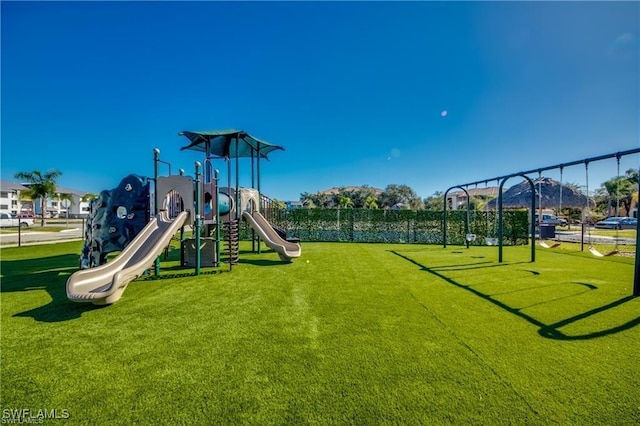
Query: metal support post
x: 197, y: 215
x: 636, y: 278
x: 217, y: 201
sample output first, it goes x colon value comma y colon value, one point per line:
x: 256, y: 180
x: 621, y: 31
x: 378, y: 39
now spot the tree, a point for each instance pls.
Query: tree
x: 400, y: 194
x: 88, y: 197
x: 307, y: 200
x: 478, y: 202
x: 370, y: 202
x: 619, y: 188
x: 40, y: 185
x: 360, y: 195
x: 321, y: 199
x: 435, y: 201
x: 632, y: 175
x: 343, y: 200
x: 279, y: 204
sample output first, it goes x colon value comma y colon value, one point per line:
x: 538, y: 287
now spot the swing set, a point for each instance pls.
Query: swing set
x: 586, y: 215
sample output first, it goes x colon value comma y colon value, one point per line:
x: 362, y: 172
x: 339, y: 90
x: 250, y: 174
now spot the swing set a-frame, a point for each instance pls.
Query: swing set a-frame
x: 524, y: 175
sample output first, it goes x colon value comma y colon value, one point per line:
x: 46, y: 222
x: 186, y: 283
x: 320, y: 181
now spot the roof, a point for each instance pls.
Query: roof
x: 11, y: 186
x: 70, y: 191
x: 520, y: 195
x: 491, y: 191
x: 228, y: 143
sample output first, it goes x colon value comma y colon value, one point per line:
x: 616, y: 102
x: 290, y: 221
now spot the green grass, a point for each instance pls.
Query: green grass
x: 621, y: 233
x: 565, y: 246
x: 359, y: 334
x: 33, y: 228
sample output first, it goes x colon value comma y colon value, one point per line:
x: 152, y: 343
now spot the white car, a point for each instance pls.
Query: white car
x: 11, y: 220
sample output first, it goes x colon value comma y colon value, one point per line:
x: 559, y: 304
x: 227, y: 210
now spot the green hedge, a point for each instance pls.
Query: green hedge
x: 394, y: 226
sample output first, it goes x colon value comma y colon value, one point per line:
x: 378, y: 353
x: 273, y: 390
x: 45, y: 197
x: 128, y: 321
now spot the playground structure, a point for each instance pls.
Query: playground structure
x: 561, y: 167
x: 178, y: 201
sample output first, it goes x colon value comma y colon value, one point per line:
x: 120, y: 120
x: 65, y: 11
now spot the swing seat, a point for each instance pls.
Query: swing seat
x: 596, y: 253
x: 547, y: 246
x: 491, y: 241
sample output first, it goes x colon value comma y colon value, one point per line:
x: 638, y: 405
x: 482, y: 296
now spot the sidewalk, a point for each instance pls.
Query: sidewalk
x: 39, y: 237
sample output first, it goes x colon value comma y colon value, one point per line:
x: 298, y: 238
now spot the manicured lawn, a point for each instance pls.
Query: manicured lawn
x: 359, y: 334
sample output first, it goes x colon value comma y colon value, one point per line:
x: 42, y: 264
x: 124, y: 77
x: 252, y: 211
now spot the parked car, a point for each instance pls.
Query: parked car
x: 618, y: 223
x: 24, y: 219
x: 10, y: 220
x: 549, y: 219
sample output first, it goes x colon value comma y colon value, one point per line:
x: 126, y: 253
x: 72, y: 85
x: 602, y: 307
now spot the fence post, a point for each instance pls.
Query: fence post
x: 353, y: 219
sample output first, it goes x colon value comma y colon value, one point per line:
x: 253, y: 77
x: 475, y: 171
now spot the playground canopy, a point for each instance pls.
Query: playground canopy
x: 228, y: 143
x: 520, y: 195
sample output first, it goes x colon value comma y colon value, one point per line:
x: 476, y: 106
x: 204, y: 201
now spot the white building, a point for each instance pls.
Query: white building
x: 12, y: 201
x: 58, y: 207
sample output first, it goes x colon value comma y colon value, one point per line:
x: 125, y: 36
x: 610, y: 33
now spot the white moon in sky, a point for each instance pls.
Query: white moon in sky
x: 444, y: 113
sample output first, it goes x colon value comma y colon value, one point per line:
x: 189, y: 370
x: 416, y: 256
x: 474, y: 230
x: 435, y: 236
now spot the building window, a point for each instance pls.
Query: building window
x: 4, y: 194
x: 14, y: 203
x: 4, y: 207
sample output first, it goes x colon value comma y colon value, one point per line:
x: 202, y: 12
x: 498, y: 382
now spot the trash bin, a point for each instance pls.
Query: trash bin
x: 547, y: 231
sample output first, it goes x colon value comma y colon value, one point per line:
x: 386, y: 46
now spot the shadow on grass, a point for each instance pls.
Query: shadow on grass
x: 550, y: 331
x: 470, y: 266
x: 187, y: 273
x: 51, y: 276
x: 263, y: 262
x: 51, y: 273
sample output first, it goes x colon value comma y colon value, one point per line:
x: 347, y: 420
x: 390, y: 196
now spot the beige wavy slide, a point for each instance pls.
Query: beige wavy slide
x: 285, y: 249
x: 104, y: 285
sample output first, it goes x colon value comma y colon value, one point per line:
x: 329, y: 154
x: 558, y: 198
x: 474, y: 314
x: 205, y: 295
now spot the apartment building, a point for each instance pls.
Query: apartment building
x: 13, y: 201
x: 458, y: 199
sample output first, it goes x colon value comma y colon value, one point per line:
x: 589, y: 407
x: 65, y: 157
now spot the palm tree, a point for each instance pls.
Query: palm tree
x: 370, y: 202
x: 307, y: 199
x: 619, y: 189
x: 322, y: 200
x: 344, y: 201
x: 40, y: 185
x: 88, y: 197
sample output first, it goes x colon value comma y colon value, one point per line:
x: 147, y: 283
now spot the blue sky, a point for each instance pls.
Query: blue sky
x: 355, y: 92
